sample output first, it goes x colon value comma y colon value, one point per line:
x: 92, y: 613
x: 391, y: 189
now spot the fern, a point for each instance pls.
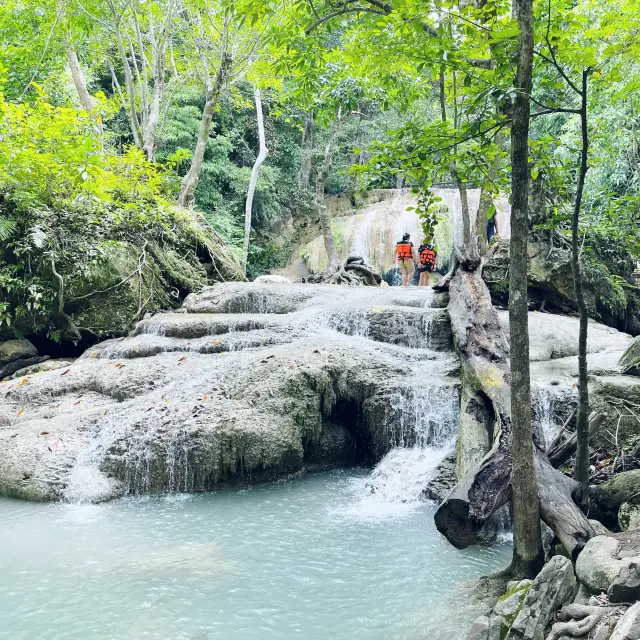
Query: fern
x: 7, y: 228
x: 38, y: 236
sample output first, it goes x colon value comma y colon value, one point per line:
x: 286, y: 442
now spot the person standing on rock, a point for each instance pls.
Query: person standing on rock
x: 427, y: 255
x: 406, y: 257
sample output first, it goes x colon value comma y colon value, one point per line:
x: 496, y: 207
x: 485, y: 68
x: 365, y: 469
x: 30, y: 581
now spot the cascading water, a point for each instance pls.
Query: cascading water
x: 290, y: 559
x: 432, y: 416
x: 373, y: 230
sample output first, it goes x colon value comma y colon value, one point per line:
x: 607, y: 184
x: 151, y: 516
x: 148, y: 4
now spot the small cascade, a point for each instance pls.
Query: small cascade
x: 543, y: 406
x: 350, y: 322
x: 362, y: 241
x: 429, y: 419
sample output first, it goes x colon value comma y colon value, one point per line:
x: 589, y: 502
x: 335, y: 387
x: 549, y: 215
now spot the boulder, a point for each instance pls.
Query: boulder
x: 605, y: 499
x: 611, y: 564
x: 630, y: 360
x: 554, y: 586
x: 598, y: 565
x: 629, y: 516
x: 272, y: 279
x: 443, y: 480
x: 626, y: 586
x: 628, y: 628
x: 554, y: 336
x: 16, y: 350
x: 599, y: 528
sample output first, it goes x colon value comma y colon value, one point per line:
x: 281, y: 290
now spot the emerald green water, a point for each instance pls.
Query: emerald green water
x: 314, y: 558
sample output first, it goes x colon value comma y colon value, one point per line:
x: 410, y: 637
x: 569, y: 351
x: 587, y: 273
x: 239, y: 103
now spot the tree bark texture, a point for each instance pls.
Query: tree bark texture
x: 527, y: 552
x: 190, y: 181
x: 306, y: 153
x: 87, y: 101
x: 255, y: 171
x: 323, y: 174
x: 484, y: 357
x: 582, y: 423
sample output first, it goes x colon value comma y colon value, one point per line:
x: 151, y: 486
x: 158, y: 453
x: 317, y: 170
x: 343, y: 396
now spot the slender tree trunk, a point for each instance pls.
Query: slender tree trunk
x: 262, y: 156
x: 481, y: 220
x: 464, y: 209
x: 157, y: 96
x: 306, y: 153
x: 527, y: 552
x: 190, y: 181
x: 136, y: 129
x: 87, y: 101
x: 323, y: 174
x: 582, y: 425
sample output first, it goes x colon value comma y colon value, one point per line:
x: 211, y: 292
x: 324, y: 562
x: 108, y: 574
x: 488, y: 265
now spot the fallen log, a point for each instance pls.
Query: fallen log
x: 10, y: 368
x: 486, y: 487
x: 561, y: 449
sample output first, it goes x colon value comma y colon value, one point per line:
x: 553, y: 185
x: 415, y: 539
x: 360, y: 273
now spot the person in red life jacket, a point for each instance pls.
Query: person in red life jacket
x: 405, y: 257
x: 427, y: 261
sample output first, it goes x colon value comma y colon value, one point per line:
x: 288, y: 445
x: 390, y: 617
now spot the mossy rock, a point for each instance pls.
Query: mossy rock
x: 630, y: 360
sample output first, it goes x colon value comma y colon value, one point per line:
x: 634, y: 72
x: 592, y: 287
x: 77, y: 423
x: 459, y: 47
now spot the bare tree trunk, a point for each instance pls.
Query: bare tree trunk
x: 464, y: 206
x: 486, y: 404
x: 262, y: 156
x: 481, y: 220
x: 582, y: 424
x: 527, y: 552
x: 306, y: 153
x: 157, y: 97
x: 190, y: 181
x: 323, y: 174
x: 136, y: 129
x: 87, y: 101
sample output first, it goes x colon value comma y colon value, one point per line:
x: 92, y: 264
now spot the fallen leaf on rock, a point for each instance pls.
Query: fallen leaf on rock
x: 20, y: 412
x: 76, y: 403
x: 181, y: 358
x: 64, y: 373
x: 23, y: 382
x: 216, y: 342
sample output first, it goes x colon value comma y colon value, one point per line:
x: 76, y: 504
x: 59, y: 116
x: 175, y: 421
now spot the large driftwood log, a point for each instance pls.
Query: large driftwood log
x: 484, y: 489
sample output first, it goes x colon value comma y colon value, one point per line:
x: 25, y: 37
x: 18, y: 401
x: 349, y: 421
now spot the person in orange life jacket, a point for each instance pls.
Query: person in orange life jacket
x: 405, y: 257
x: 427, y: 255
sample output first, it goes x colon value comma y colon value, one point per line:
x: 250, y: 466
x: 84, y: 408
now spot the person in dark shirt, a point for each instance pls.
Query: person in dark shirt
x: 427, y: 257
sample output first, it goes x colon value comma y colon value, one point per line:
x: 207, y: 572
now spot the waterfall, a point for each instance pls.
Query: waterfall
x: 372, y: 231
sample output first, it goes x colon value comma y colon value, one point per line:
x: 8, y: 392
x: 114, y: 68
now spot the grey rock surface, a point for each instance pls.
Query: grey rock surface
x: 628, y: 628
x: 554, y: 586
x: 195, y: 401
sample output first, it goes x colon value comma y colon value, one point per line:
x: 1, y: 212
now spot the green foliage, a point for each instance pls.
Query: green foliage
x: 97, y: 218
x: 265, y: 257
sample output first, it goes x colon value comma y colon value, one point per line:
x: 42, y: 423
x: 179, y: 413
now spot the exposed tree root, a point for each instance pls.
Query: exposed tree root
x: 352, y: 274
x: 585, y: 619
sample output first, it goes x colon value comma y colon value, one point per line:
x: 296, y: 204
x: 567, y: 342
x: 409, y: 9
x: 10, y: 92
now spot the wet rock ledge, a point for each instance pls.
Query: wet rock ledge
x: 248, y: 383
